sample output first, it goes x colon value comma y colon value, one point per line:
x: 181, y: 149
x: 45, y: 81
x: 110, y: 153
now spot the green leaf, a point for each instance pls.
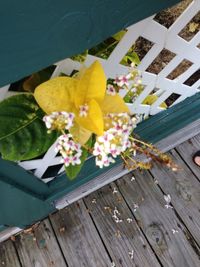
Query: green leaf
x: 73, y: 171
x: 23, y: 135
x: 118, y: 36
x: 131, y: 57
x: 80, y: 57
x: 150, y: 99
x: 128, y: 97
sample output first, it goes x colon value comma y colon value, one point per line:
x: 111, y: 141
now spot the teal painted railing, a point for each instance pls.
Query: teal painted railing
x: 37, y: 34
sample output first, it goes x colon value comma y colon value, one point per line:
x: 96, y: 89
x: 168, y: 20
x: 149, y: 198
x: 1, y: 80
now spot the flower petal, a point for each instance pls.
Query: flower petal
x: 94, y: 119
x: 56, y: 94
x: 92, y: 85
x: 80, y: 134
x: 114, y: 104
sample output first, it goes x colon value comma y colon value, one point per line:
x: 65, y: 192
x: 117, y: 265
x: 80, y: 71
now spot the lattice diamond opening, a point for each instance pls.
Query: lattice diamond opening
x: 161, y: 61
x: 182, y: 67
x: 168, y: 16
x: 191, y: 29
x: 139, y: 48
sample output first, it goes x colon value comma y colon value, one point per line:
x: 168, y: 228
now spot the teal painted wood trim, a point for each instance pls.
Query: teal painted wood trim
x: 152, y: 130
x: 35, y: 34
x: 17, y: 176
x: 21, y: 196
x: 19, y: 208
x: 2, y: 227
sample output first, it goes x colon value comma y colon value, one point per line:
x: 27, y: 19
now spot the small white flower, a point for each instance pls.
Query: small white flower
x: 48, y: 121
x: 168, y: 206
x: 59, y: 120
x: 103, y: 161
x: 99, y: 163
x: 167, y: 199
x: 129, y: 220
x: 117, y: 220
x: 113, y: 264
x: 115, y: 150
x: 122, y: 80
x: 131, y: 253
x: 156, y: 181
x: 132, y: 178
x: 116, y: 211
x: 98, y: 149
x: 115, y: 191
x: 76, y: 159
x: 106, y: 138
x: 135, y: 207
x: 110, y: 90
x: 174, y: 231
x: 83, y: 110
x: 94, y: 201
x: 107, y: 161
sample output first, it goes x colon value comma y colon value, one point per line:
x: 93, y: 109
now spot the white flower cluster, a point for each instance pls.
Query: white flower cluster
x: 131, y: 81
x: 59, y: 120
x: 115, y: 140
x: 70, y: 151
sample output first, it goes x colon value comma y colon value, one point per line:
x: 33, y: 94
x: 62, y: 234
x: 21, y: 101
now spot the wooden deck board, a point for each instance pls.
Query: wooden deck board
x: 187, y: 150
x: 40, y: 248
x: 158, y: 222
x: 78, y: 238
x: 123, y: 237
x: 184, y: 189
x: 8, y: 255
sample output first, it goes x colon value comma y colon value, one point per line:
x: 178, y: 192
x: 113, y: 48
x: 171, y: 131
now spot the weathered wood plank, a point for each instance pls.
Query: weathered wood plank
x: 187, y: 150
x: 78, y: 237
x: 8, y: 232
x: 158, y: 223
x: 184, y: 189
x: 40, y: 248
x: 8, y: 256
x: 120, y: 238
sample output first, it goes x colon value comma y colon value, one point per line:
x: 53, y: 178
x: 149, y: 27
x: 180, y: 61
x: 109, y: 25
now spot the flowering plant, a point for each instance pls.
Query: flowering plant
x: 92, y: 118
x: 84, y: 114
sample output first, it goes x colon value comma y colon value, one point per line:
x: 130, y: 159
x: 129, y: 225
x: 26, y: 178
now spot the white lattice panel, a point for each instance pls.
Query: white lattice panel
x: 162, y: 38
